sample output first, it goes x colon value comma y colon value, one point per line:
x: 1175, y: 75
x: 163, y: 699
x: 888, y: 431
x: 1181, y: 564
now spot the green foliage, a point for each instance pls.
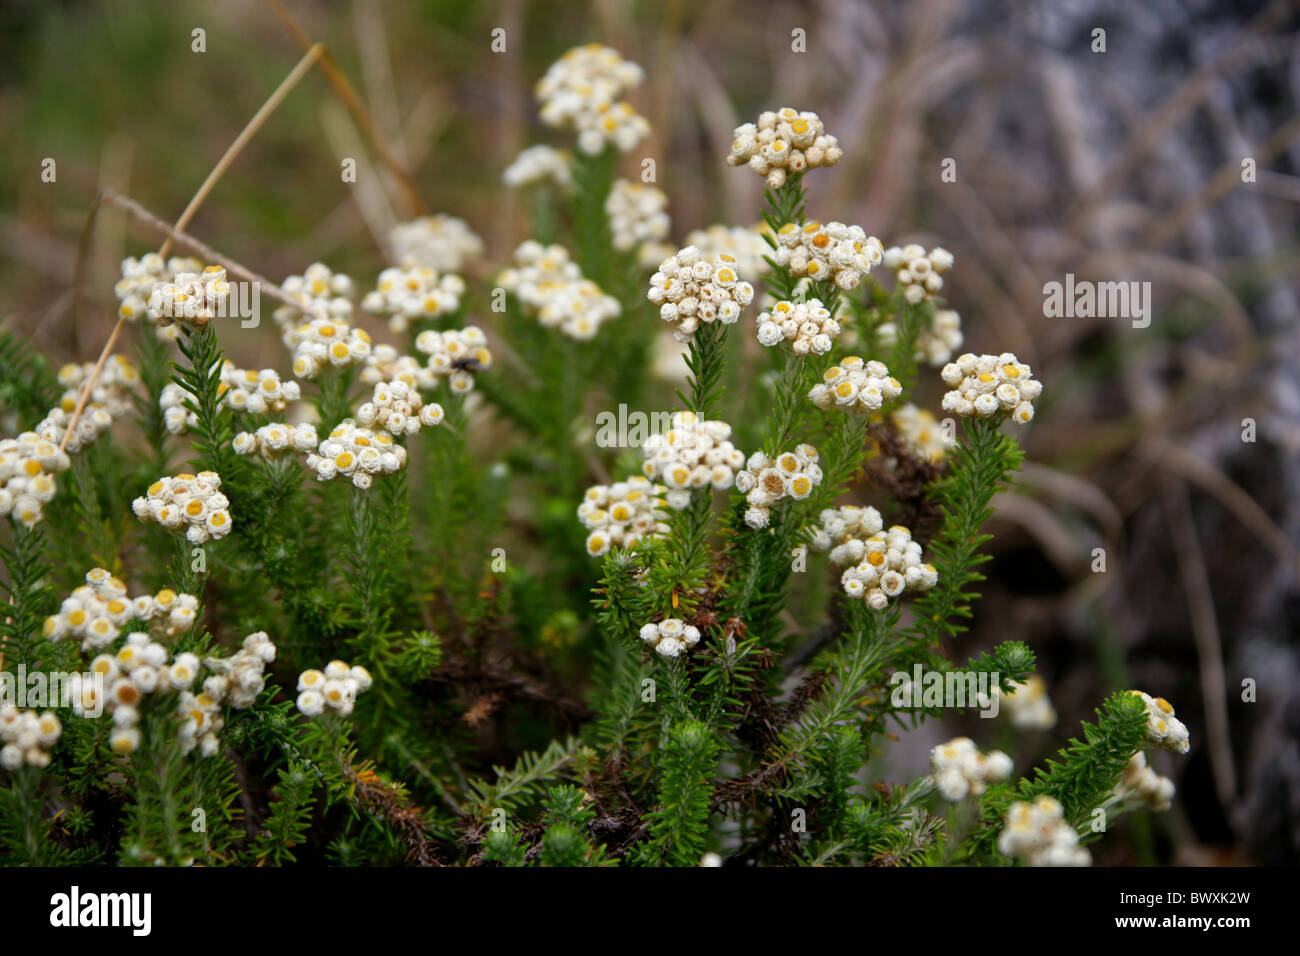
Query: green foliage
x: 679, y: 826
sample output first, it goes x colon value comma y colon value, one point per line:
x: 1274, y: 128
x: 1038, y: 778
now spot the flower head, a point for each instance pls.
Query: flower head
x: 765, y: 481
x: 356, y: 453
x: 638, y: 215
x: 807, y: 327
x: 692, y: 453
x: 622, y: 514
x: 326, y: 343
x: 1038, y: 834
x: 828, y: 251
x: 670, y: 636
x: 919, y: 273
x: 538, y: 165
x: 690, y: 289
x: 781, y: 143
x: 991, y: 386
x: 855, y: 385
x: 552, y: 288
x: 441, y: 243
x: 192, y: 299
x: 959, y: 769
x: 582, y: 90
x: 1164, y: 730
x: 192, y: 502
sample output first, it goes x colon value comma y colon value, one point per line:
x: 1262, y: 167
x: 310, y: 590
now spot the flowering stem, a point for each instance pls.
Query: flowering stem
x: 980, y: 465
x: 594, y: 176
x: 202, y: 379
x: 902, y: 360
x: 333, y: 404
x: 705, y: 360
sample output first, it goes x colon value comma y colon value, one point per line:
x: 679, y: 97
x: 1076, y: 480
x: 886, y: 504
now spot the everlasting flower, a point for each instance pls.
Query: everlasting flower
x: 140, y: 277
x: 442, y: 243
x: 386, y: 364
x: 880, y: 564
x: 335, y: 688
x: 456, y: 354
x: 241, y: 390
x: 690, y: 289
x: 787, y: 142
x: 1028, y: 705
x: 581, y: 91
x: 321, y: 293
x: 551, y: 287
x: 356, y: 453
x: 989, y: 386
x: 27, y: 737
x: 538, y: 165
x: 95, y: 613
x: 828, y: 251
x: 855, y: 385
x: 744, y: 244
x: 398, y: 408
x: 112, y: 390
x: 670, y: 636
x: 191, y: 299
x: 765, y: 481
x: 276, y: 440
x: 194, y: 502
x: 638, y: 215
x: 1164, y: 730
x: 959, y: 769
x: 1140, y: 786
x: 921, y: 433
x: 1037, y: 833
x: 325, y: 343
x: 28, y: 465
x: 693, y: 453
x: 622, y: 514
x: 919, y: 273
x: 408, y: 295
x: 936, y: 343
x: 807, y: 326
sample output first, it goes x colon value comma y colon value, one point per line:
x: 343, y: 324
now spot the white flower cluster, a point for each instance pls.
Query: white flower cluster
x: 538, y: 165
x: 138, y: 669
x: 785, y: 142
x: 920, y: 431
x: 194, y: 502
x: 112, y: 389
x: 622, y: 514
x: 840, y: 526
x: 336, y: 688
x: 744, y: 244
x: 456, y: 354
x: 322, y: 343
x: 1141, y: 786
x: 855, y: 385
x: 443, y: 243
x: 28, y: 465
x: 109, y: 398
x: 765, y: 481
x: 410, y: 294
x: 1164, y: 730
x: 888, y: 563
x: 95, y: 612
x: 807, y: 326
x: 1028, y: 705
x: 581, y: 91
x: 638, y: 214
x: 670, y: 636
x: 693, y: 453
x: 386, y: 364
x: 398, y: 409
x: 919, y: 273
x: 356, y: 453
x: 551, y: 287
x: 829, y: 250
x: 934, y: 345
x: 1037, y: 833
x: 690, y: 289
x: 192, y: 299
x: 241, y: 390
x: 985, y: 386
x: 276, y: 440
x: 140, y: 277
x: 238, y: 679
x: 959, y: 769
x: 27, y: 737
x: 321, y: 294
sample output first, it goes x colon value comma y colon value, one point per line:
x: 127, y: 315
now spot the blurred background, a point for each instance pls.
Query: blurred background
x: 1175, y: 448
